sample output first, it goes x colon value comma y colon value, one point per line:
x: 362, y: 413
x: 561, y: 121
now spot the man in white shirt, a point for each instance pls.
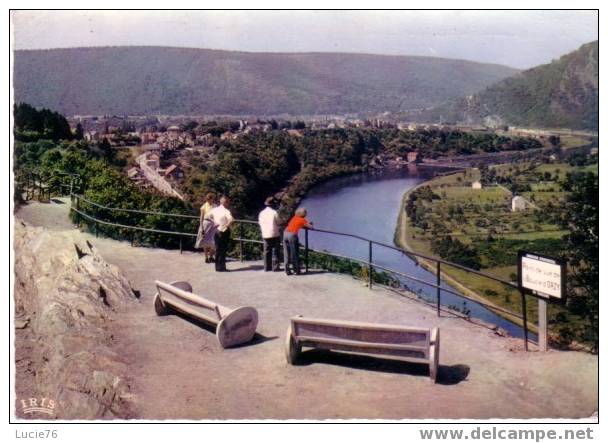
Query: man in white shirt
x: 269, y: 224
x: 221, y: 216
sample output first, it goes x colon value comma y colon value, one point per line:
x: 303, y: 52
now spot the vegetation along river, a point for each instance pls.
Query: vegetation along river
x: 368, y: 206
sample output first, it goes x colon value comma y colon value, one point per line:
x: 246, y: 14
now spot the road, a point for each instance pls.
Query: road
x: 155, y: 179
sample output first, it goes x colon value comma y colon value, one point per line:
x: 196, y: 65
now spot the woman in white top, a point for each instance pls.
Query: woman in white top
x: 206, y: 229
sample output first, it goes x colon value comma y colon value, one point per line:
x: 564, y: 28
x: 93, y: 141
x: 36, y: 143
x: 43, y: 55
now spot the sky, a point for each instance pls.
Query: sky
x: 520, y: 39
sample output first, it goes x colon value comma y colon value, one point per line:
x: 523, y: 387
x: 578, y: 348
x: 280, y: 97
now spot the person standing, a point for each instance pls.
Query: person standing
x: 206, y: 231
x: 269, y: 225
x: 222, y: 219
x: 291, y: 243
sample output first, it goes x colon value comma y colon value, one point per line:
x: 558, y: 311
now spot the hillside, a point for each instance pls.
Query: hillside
x: 563, y: 93
x: 147, y: 80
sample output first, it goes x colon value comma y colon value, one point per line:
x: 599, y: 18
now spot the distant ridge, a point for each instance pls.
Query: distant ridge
x: 563, y: 93
x: 148, y: 80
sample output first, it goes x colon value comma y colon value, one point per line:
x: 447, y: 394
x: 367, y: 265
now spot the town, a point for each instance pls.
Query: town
x: 158, y: 141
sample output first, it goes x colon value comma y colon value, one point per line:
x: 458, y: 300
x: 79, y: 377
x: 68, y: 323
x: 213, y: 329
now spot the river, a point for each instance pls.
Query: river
x: 368, y: 206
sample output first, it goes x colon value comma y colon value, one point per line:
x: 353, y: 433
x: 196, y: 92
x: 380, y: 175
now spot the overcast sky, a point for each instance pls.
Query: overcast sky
x: 521, y: 39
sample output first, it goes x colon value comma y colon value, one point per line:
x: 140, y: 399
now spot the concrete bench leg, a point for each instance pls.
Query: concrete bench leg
x: 434, y: 355
x: 237, y: 327
x: 161, y: 308
x: 292, y: 349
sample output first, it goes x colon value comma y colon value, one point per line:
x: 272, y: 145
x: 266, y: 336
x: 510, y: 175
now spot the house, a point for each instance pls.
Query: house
x: 91, y: 136
x: 518, y: 203
x: 148, y: 137
x: 133, y: 173
x: 476, y: 185
x: 153, y: 161
x: 294, y: 133
x: 412, y: 157
x: 173, y: 172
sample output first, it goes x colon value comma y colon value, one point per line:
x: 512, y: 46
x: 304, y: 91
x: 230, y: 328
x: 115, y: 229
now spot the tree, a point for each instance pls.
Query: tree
x: 190, y: 126
x: 79, y: 133
x: 106, y: 149
x: 32, y: 124
x: 581, y: 218
x: 554, y: 140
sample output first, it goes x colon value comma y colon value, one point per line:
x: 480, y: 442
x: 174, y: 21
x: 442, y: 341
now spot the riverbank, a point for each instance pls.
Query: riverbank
x: 448, y: 275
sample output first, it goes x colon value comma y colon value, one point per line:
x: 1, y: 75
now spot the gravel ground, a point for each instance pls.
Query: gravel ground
x: 178, y: 370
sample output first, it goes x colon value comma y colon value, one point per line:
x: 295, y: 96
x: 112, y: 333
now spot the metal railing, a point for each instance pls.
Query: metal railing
x: 369, y: 263
x: 34, y: 183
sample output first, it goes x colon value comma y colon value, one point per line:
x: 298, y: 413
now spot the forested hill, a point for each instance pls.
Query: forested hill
x: 563, y: 93
x: 148, y: 80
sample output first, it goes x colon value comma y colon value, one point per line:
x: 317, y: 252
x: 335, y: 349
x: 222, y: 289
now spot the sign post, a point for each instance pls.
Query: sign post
x: 544, y: 278
x: 542, y: 325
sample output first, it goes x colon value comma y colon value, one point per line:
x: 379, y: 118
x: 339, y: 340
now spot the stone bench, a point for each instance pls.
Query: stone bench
x: 417, y: 345
x: 233, y: 326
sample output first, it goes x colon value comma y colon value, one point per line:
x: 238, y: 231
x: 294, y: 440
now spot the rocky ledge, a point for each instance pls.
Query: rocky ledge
x: 65, y: 298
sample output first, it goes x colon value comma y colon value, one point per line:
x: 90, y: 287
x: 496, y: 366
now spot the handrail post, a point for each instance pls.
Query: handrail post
x: 241, y: 234
x: 524, y: 318
x: 438, y: 288
x: 77, y: 214
x: 181, y: 247
x: 96, y: 230
x: 371, y: 269
x: 306, y: 250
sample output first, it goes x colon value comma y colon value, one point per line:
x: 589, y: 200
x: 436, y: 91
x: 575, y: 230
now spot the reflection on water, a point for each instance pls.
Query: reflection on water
x: 368, y: 206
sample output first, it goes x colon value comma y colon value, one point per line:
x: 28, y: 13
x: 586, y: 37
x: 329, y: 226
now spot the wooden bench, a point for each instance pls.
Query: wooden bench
x: 417, y: 345
x: 233, y: 326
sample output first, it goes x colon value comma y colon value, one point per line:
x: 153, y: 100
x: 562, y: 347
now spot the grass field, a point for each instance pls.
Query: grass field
x: 483, y: 220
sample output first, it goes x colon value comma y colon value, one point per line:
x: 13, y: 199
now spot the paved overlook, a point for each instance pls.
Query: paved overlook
x: 176, y: 370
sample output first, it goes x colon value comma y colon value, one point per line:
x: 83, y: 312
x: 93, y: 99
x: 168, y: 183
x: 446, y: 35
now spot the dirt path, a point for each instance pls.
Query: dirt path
x: 179, y: 371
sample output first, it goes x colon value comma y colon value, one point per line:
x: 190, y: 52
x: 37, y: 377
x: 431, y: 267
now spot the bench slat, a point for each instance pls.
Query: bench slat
x: 410, y: 356
x: 312, y: 341
x: 419, y: 339
x: 189, y: 296
x: 191, y: 309
x: 358, y: 325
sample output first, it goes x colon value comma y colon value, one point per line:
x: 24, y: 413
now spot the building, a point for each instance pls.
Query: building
x: 294, y: 133
x: 133, y: 173
x: 476, y: 185
x: 91, y: 136
x: 412, y: 157
x: 153, y: 161
x: 518, y: 203
x: 173, y: 172
x: 148, y: 137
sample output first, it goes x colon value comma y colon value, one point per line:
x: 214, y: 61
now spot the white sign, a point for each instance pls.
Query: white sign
x: 541, y: 275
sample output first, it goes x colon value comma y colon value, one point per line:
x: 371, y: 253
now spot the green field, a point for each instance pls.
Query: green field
x: 482, y: 220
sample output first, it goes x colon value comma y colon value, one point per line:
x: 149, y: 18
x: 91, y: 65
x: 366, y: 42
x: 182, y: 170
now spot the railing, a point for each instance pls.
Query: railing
x: 369, y: 263
x: 44, y: 185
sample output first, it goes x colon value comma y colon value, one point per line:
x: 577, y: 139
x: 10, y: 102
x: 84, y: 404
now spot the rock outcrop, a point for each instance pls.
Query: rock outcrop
x: 65, y: 297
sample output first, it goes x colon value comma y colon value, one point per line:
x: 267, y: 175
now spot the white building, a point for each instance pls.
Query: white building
x: 476, y: 185
x: 518, y: 203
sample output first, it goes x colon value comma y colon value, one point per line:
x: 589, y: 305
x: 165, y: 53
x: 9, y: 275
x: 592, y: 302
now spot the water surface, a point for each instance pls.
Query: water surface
x: 369, y: 206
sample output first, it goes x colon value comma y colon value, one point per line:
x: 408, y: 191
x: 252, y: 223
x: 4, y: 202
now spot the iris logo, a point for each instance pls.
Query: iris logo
x: 42, y: 405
